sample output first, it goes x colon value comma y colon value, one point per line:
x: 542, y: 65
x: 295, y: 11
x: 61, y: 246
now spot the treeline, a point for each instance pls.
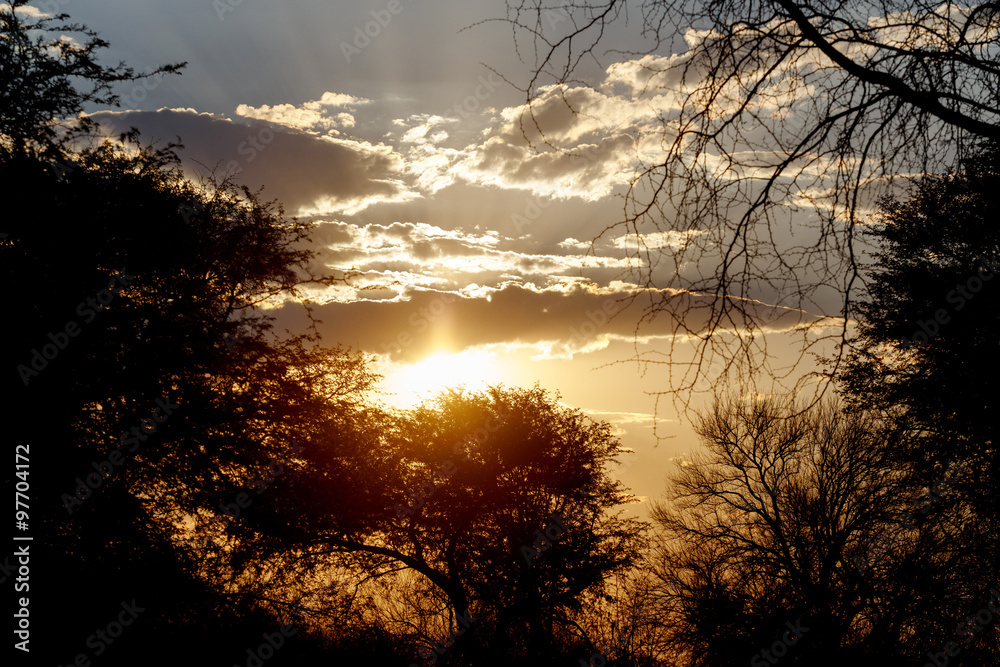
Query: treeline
x: 240, y: 497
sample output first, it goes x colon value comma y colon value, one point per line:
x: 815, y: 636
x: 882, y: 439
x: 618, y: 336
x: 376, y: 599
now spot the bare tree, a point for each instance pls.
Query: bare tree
x: 798, y: 519
x: 778, y: 126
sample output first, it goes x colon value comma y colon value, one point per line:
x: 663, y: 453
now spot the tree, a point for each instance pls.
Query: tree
x: 797, y: 531
x: 40, y: 77
x: 132, y: 315
x: 925, y: 343
x: 143, y: 377
x: 498, y: 507
x: 776, y: 129
x: 926, y: 353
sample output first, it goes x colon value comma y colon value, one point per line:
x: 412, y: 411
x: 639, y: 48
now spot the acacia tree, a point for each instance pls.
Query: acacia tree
x: 777, y: 127
x: 445, y: 507
x: 47, y: 80
x: 143, y: 375
x: 781, y: 526
x: 924, y: 348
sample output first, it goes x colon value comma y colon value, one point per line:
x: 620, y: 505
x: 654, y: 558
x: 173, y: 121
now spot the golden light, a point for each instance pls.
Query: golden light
x: 413, y: 383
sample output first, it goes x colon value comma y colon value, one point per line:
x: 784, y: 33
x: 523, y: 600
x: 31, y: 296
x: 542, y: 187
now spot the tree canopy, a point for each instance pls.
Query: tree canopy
x: 499, y: 505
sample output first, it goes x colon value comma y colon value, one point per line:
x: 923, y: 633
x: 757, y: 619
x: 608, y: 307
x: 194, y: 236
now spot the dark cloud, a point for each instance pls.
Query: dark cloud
x: 298, y: 169
x: 430, y: 321
x: 571, y: 319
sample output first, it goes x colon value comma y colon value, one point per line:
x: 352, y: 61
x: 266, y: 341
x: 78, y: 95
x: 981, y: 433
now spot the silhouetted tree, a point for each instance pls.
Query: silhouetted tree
x: 926, y: 352
x: 926, y: 349
x: 139, y: 295
x: 47, y: 79
x: 457, y: 493
x: 623, y: 620
x: 799, y: 527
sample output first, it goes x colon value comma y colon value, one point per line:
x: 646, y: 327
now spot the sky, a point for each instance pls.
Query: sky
x: 481, y: 255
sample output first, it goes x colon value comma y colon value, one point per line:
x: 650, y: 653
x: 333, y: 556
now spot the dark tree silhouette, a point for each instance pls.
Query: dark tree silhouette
x: 798, y: 519
x: 781, y: 121
x: 41, y: 81
x: 926, y: 346
x: 139, y: 295
x: 449, y: 501
x: 926, y: 352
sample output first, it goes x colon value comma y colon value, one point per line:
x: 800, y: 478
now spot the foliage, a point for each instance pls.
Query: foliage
x: 452, y: 495
x: 43, y: 62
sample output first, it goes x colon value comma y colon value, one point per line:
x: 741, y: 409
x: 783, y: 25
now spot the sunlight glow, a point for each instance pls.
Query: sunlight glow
x: 413, y: 383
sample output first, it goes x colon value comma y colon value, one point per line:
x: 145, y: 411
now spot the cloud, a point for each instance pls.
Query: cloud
x: 308, y: 174
x: 25, y: 10
x: 316, y: 117
x: 672, y: 239
x: 555, y: 322
x: 446, y: 259
x: 574, y: 244
x: 431, y: 321
x: 584, y: 141
x: 589, y: 171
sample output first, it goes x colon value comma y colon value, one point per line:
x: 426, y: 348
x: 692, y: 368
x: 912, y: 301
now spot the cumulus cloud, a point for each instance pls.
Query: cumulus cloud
x: 448, y: 259
x: 589, y: 171
x: 582, y: 141
x: 308, y: 174
x: 322, y: 116
x: 25, y: 10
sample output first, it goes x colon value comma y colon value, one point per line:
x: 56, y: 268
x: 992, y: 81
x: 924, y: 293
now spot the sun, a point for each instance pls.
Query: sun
x: 413, y: 383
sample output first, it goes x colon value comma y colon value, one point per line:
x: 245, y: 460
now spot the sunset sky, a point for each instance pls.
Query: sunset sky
x: 474, y: 248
